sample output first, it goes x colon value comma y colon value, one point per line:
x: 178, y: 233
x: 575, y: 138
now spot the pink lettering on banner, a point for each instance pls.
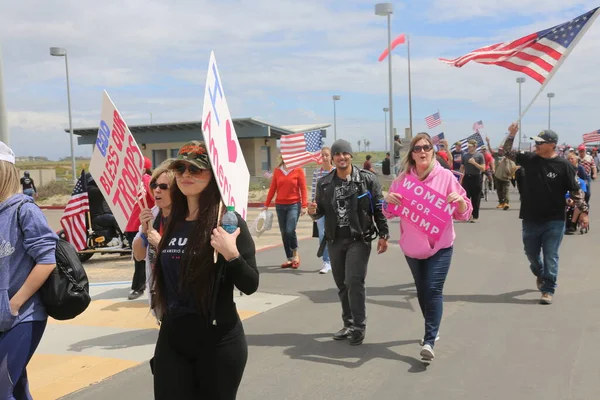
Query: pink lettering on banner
x: 422, y: 207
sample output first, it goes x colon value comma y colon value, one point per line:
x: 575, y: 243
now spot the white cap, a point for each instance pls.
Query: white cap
x: 6, y: 154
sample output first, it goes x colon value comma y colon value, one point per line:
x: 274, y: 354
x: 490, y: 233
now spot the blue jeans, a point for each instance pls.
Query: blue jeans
x: 29, y: 192
x: 430, y: 275
x: 287, y: 216
x: 321, y: 226
x: 17, y: 345
x: 543, y: 238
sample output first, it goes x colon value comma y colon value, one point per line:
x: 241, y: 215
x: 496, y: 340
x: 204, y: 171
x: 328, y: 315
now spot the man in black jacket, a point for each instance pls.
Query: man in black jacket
x: 350, y: 198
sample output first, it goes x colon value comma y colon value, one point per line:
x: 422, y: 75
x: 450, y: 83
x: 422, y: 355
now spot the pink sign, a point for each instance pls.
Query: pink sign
x: 422, y: 206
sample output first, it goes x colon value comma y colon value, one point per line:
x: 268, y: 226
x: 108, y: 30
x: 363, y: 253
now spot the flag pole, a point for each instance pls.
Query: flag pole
x: 560, y: 62
x: 410, y: 115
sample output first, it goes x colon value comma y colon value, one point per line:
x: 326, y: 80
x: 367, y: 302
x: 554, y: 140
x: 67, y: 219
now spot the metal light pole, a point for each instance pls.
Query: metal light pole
x: 386, y: 10
x: 520, y: 81
x: 335, y: 98
x: 550, y: 96
x: 4, y: 135
x: 60, y: 52
x: 385, y: 138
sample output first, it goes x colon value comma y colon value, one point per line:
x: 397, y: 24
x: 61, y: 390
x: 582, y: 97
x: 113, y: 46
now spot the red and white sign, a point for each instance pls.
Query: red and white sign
x: 228, y: 163
x: 117, y: 163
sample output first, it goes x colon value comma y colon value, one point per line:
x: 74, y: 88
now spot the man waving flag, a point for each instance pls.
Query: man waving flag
x: 538, y: 55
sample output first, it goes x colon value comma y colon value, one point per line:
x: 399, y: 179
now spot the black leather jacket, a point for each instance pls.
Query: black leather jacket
x: 365, y: 200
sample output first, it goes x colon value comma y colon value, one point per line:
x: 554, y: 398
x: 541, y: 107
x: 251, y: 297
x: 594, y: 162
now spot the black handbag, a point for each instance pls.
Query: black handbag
x: 66, y: 292
x: 315, y: 232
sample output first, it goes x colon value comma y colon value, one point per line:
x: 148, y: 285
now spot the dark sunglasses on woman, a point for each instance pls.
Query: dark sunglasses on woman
x: 426, y: 148
x: 180, y: 169
x: 162, y: 186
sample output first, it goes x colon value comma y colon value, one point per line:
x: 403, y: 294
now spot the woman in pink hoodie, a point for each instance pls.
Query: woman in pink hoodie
x: 429, y: 260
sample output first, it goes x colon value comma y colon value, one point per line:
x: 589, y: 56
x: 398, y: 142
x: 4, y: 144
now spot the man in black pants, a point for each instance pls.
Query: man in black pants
x: 350, y: 198
x: 473, y: 164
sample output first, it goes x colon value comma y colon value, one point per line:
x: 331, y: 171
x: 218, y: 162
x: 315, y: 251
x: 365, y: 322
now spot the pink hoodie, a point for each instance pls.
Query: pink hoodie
x: 413, y: 242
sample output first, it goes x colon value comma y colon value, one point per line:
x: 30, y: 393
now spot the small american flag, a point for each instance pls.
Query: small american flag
x: 477, y: 126
x: 73, y: 220
x: 592, y: 137
x: 535, y: 55
x: 300, y: 149
x: 464, y: 143
x: 433, y: 120
x: 437, y: 138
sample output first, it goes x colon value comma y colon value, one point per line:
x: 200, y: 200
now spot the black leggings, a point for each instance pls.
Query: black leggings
x: 195, y: 361
x: 138, y: 282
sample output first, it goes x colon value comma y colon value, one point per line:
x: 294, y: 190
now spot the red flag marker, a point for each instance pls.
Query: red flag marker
x: 399, y: 40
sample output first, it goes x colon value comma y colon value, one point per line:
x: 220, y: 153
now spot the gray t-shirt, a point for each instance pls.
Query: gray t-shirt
x: 471, y: 169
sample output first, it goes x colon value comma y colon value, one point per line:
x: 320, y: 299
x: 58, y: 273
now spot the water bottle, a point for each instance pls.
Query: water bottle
x: 229, y: 222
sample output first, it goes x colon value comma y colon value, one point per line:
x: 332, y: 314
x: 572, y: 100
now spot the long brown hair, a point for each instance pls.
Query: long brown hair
x: 196, y: 270
x: 409, y: 163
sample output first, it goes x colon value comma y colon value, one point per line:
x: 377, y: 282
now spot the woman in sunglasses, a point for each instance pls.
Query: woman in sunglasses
x: 429, y: 261
x: 201, y: 350
x: 153, y: 221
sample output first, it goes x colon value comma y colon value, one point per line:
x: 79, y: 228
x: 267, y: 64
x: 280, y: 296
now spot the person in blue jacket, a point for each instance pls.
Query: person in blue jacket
x: 27, y: 257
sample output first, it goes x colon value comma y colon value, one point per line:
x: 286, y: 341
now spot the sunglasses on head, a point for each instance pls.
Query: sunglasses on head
x: 180, y: 169
x: 426, y: 148
x: 162, y: 186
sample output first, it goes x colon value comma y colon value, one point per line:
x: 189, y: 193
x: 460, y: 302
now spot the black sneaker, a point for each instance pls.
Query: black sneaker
x: 342, y: 334
x: 135, y: 294
x: 357, y: 337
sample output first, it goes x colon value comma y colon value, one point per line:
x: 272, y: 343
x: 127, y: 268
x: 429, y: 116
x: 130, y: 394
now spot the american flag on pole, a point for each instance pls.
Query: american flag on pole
x: 73, y: 220
x: 538, y: 54
x: 592, y: 137
x: 299, y: 149
x: 464, y: 143
x: 437, y: 138
x: 433, y: 120
x: 477, y: 126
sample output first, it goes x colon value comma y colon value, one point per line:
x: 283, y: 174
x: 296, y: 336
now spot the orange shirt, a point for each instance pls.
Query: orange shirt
x: 290, y: 188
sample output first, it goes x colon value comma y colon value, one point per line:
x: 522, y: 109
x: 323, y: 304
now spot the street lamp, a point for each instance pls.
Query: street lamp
x: 520, y: 81
x: 60, y: 52
x: 4, y: 136
x: 335, y: 98
x: 385, y: 110
x: 386, y: 10
x: 550, y: 97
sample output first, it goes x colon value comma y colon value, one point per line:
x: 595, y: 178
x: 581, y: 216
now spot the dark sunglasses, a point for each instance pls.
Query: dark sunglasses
x: 180, y: 169
x: 540, y: 143
x: 162, y: 186
x: 426, y: 148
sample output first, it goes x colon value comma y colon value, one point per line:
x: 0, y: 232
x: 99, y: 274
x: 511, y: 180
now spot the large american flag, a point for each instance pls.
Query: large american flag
x: 299, y: 149
x: 535, y: 55
x: 433, y: 120
x: 464, y: 143
x: 592, y: 137
x: 73, y: 220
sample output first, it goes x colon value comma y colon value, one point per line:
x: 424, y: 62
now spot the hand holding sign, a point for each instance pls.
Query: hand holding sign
x: 394, y: 198
x: 455, y: 198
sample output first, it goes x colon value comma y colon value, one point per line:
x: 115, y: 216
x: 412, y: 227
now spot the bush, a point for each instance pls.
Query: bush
x: 55, y: 188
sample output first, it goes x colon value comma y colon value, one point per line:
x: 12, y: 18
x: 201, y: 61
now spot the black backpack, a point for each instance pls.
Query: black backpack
x: 66, y: 292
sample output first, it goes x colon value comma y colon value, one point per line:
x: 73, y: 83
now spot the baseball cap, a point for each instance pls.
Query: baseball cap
x: 581, y: 147
x: 195, y: 153
x: 147, y: 163
x: 6, y: 153
x: 547, y: 135
x: 472, y: 143
x: 483, y: 147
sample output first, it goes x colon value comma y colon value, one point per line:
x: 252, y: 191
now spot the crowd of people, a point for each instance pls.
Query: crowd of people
x: 189, y: 265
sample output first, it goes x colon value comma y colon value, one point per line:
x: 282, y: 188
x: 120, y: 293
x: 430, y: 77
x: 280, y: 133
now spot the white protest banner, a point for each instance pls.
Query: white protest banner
x: 117, y: 163
x: 228, y: 163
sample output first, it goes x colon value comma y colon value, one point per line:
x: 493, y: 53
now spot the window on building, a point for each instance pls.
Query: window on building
x: 174, y: 153
x: 158, y: 156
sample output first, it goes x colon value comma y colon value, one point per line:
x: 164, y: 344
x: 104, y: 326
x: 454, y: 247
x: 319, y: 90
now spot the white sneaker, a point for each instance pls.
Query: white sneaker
x: 427, y: 353
x: 422, y: 342
x: 326, y: 268
x: 115, y: 242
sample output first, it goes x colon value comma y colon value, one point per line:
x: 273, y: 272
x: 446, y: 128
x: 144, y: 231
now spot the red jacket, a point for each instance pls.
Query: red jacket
x: 133, y: 224
x: 290, y: 188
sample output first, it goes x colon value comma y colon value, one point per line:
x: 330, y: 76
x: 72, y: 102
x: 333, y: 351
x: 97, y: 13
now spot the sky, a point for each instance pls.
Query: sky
x: 281, y: 61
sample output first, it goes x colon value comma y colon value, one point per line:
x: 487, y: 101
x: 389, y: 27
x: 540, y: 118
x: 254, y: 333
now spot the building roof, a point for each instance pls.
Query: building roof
x: 180, y: 126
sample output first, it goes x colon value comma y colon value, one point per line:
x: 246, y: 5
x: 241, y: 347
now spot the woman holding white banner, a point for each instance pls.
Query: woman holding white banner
x: 201, y: 350
x: 428, y: 260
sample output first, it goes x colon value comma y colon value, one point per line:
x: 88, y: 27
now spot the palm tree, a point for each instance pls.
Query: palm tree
x: 368, y: 144
x: 359, y: 146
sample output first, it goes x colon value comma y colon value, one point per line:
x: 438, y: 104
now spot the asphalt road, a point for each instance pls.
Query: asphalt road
x: 496, y: 341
